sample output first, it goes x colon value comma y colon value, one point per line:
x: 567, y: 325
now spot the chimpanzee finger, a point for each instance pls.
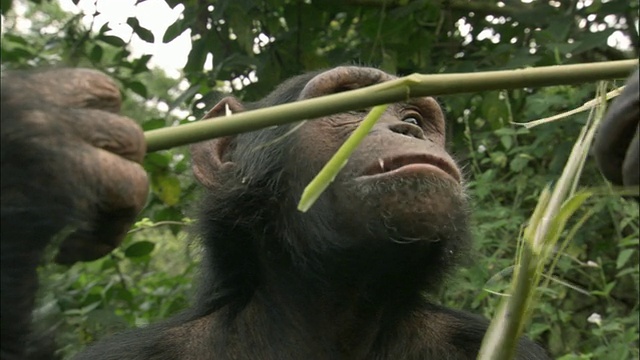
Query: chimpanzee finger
x: 112, y: 146
x: 67, y: 88
x: 617, y: 132
x: 121, y: 189
x: 114, y: 133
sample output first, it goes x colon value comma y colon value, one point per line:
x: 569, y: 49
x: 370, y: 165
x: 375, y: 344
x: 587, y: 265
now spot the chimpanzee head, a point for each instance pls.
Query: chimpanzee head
x: 396, y: 213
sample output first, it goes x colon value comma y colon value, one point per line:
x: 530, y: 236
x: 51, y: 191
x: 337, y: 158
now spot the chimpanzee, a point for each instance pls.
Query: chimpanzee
x: 346, y: 280
x: 616, y: 147
x: 69, y: 163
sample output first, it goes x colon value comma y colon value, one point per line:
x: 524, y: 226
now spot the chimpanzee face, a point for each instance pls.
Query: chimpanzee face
x: 400, y: 183
x: 400, y: 186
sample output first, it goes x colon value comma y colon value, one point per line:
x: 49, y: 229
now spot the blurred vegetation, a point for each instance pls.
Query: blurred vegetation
x: 589, y: 309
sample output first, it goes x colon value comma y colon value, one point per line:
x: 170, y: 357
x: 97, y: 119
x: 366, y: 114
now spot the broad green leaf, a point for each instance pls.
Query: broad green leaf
x: 506, y: 141
x: 175, y: 30
x: 139, y: 249
x: 623, y: 257
x: 112, y: 40
x: 167, y: 188
x: 518, y: 163
x: 96, y: 53
x: 138, y: 88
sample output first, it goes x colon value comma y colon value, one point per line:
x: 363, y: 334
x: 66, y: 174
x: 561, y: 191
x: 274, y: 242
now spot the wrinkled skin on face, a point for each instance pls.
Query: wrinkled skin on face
x: 400, y: 177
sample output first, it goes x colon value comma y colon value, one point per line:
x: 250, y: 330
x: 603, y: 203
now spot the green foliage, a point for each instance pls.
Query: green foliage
x: 506, y: 166
x: 597, y: 273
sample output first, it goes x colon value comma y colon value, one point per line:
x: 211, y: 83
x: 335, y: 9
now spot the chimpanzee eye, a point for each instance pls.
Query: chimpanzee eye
x: 412, y: 120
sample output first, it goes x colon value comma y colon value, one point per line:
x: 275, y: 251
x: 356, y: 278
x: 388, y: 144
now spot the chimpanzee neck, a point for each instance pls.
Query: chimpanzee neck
x: 377, y: 272
x: 339, y: 321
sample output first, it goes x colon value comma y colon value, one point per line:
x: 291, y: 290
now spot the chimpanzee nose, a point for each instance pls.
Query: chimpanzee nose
x: 408, y: 130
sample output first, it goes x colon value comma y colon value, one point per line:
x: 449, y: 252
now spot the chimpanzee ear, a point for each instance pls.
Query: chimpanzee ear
x: 209, y: 157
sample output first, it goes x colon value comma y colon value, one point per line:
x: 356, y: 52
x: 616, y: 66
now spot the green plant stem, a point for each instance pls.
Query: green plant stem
x: 555, y: 206
x: 385, y: 93
x: 319, y: 183
x: 499, y: 342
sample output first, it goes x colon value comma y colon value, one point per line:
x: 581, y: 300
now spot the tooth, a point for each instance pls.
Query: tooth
x: 381, y: 162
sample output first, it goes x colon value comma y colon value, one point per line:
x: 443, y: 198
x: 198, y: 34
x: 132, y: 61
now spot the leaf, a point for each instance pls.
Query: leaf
x: 507, y: 141
x: 185, y: 96
x: 593, y: 40
x: 96, y: 54
x: 623, y: 257
x: 142, y: 32
x: 16, y: 54
x: 197, y: 56
x: 167, y: 188
x: 104, y: 28
x: 519, y: 163
x: 174, y: 3
x: 567, y: 209
x: 157, y: 160
x: 505, y: 131
x: 495, y: 110
x: 558, y: 28
x: 140, y: 65
x: 153, y: 124
x: 112, y: 40
x: 5, y: 5
x: 176, y: 29
x: 138, y: 88
x: 139, y: 249
x: 16, y: 39
x: 629, y: 270
x: 121, y: 57
x: 499, y: 158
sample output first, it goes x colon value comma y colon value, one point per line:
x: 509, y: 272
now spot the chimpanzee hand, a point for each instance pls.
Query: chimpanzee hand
x: 70, y: 164
x: 616, y: 147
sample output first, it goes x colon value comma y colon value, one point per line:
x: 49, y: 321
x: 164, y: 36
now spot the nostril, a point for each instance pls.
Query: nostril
x: 408, y: 130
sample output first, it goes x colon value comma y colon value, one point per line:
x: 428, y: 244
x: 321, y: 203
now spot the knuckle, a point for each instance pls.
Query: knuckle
x: 119, y: 135
x: 101, y: 91
x: 124, y: 187
x: 140, y: 184
x: 130, y: 142
x: 95, y: 90
x: 75, y: 88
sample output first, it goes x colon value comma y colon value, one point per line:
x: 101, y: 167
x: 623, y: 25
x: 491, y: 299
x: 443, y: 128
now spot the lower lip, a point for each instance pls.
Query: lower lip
x: 414, y: 169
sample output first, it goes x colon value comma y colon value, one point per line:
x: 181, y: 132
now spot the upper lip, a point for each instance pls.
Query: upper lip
x: 383, y: 165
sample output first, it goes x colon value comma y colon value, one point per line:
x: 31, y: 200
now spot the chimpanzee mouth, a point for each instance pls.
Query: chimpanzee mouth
x: 411, y: 162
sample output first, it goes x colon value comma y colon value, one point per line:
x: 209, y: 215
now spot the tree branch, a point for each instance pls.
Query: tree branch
x: 401, y: 89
